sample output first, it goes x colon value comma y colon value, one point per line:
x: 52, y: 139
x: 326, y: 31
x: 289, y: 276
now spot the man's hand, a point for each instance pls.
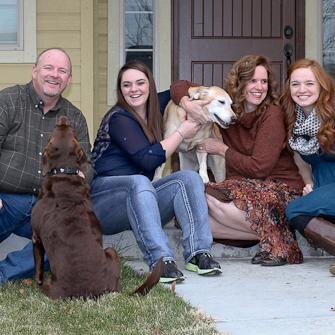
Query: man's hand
x: 194, y: 109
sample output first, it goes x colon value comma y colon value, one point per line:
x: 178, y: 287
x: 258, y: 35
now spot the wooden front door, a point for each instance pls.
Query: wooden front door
x: 210, y: 35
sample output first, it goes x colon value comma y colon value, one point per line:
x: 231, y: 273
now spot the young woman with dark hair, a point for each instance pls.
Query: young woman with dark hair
x: 128, y: 149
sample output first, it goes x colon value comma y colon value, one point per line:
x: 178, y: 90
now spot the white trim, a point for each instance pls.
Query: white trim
x: 121, y: 32
x: 314, y: 30
x: 115, y: 46
x: 162, y: 44
x: 28, y: 54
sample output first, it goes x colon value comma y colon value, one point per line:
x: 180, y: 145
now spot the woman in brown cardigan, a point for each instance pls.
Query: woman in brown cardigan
x: 261, y: 176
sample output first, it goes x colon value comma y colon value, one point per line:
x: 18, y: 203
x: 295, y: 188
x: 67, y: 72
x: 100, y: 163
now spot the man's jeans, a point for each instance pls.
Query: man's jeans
x: 135, y: 203
x: 15, y: 218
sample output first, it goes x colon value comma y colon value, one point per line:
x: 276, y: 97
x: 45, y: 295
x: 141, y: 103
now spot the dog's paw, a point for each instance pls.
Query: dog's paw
x: 204, y: 177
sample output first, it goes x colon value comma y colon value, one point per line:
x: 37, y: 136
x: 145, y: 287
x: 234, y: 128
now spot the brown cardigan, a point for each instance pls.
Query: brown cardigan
x: 257, y: 144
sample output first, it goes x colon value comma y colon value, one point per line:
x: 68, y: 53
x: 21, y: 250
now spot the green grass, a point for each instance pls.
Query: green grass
x: 24, y: 309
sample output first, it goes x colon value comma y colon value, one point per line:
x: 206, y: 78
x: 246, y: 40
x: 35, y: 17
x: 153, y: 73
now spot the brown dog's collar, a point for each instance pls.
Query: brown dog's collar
x: 66, y: 170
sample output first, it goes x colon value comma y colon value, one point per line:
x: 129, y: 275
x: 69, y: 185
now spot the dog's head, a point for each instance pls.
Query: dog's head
x: 63, y: 149
x: 219, y: 108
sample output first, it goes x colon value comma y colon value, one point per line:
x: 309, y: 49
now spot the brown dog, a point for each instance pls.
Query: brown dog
x: 66, y: 228
x: 219, y: 112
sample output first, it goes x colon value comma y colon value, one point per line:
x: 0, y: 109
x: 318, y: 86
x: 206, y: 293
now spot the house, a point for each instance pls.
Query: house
x: 92, y: 32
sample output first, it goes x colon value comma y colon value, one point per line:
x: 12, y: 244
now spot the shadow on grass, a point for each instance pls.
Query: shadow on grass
x: 25, y: 310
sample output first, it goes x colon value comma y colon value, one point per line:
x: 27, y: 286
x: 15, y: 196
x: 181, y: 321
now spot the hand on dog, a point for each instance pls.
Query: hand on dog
x: 194, y: 109
x: 189, y: 128
x: 212, y: 146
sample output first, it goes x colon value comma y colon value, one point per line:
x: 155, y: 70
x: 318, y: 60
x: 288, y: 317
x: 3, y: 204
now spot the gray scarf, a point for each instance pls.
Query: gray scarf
x: 303, y: 139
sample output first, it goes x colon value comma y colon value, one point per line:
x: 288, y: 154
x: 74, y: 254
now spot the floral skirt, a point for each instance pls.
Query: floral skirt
x: 264, y: 203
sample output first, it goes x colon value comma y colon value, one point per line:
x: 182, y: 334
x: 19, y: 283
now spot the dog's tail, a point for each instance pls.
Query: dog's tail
x: 152, y: 279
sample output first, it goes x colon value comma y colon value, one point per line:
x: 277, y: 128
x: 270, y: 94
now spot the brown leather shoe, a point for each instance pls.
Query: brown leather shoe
x: 321, y: 233
x: 332, y: 269
x: 273, y: 261
x: 259, y: 257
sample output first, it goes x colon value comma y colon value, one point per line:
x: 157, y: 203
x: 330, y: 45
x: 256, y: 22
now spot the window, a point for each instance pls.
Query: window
x: 17, y: 31
x: 138, y: 31
x: 10, y: 25
x: 328, y: 36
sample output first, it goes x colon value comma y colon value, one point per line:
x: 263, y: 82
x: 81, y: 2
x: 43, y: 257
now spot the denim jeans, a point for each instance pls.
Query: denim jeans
x: 15, y: 218
x: 135, y: 203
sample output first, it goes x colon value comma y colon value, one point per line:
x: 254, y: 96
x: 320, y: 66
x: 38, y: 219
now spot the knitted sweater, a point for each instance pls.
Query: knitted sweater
x: 257, y: 145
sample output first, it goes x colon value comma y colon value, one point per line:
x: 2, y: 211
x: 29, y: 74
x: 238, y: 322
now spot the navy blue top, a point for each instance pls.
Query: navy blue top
x: 121, y: 147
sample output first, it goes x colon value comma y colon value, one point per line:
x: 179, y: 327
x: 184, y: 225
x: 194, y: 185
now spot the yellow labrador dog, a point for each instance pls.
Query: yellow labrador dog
x: 219, y: 112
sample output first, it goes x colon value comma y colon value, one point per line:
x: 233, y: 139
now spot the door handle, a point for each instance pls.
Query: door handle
x: 288, y: 52
x: 288, y: 32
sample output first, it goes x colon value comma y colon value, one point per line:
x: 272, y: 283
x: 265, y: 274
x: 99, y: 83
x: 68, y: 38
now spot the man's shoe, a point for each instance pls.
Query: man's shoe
x: 171, y: 273
x: 203, y: 264
x: 332, y: 269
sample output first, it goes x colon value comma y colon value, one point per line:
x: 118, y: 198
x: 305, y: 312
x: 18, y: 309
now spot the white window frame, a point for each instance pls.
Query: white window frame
x: 161, y: 44
x: 123, y: 55
x: 28, y: 52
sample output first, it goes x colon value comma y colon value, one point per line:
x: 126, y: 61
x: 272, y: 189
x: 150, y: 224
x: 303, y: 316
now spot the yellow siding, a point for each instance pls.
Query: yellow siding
x: 58, y: 7
x: 51, y: 18
x: 12, y: 74
x: 68, y: 25
x: 50, y: 21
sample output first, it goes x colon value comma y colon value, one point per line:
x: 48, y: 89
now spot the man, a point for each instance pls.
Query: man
x: 28, y: 114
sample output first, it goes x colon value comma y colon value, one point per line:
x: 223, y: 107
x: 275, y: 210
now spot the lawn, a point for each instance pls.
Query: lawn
x: 24, y: 309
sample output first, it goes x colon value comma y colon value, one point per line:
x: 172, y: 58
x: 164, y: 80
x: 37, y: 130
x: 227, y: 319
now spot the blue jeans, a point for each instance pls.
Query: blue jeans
x: 135, y: 203
x: 15, y: 218
x: 320, y: 202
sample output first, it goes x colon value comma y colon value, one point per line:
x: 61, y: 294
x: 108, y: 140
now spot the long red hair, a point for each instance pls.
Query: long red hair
x: 324, y: 106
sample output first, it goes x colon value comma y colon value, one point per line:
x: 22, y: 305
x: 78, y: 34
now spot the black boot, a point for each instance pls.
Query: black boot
x: 300, y: 222
x: 321, y: 233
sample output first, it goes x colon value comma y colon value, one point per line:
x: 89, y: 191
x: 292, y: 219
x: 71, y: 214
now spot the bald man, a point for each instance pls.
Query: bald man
x: 28, y: 114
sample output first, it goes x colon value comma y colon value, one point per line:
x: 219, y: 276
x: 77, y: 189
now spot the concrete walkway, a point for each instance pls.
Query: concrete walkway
x: 250, y: 299
x: 247, y: 299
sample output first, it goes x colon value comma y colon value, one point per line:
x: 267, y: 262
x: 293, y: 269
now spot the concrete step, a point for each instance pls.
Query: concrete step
x: 126, y: 245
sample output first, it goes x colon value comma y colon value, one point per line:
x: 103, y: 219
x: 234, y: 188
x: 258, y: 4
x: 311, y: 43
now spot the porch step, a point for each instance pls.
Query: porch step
x: 126, y: 245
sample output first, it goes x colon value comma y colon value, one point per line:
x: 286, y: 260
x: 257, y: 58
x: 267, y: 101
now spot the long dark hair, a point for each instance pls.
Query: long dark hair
x: 153, y: 129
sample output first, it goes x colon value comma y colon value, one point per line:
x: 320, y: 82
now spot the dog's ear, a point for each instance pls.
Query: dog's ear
x: 80, y: 154
x: 45, y: 162
x: 198, y: 92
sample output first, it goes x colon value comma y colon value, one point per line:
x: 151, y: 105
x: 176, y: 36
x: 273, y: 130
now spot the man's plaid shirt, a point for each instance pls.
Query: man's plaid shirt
x: 24, y: 132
